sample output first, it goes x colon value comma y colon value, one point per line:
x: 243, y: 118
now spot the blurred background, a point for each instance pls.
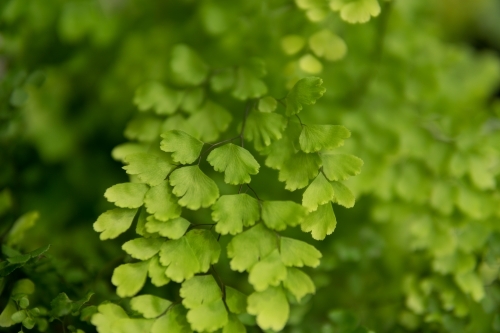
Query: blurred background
x: 418, y: 88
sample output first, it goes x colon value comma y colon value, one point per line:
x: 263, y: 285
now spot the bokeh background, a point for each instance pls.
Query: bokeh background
x: 418, y: 88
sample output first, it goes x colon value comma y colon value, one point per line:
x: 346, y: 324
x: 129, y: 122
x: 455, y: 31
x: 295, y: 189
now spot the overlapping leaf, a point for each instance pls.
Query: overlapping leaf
x: 263, y: 128
x: 193, y: 187
x: 278, y: 215
x: 236, y: 162
x: 185, y: 149
x: 305, y: 92
x: 233, y: 212
x: 151, y: 169
x: 314, y: 138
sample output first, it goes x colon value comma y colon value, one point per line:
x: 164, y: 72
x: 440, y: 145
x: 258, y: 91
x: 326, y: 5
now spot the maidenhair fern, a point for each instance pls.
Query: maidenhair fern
x: 170, y: 177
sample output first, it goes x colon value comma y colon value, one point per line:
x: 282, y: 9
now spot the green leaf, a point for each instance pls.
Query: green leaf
x: 60, y: 306
x: 269, y: 271
x: 187, y: 66
x: 222, y: 80
x: 263, y: 128
x: 248, y: 247
x: 233, y: 212
x: 298, y: 283
x: 193, y: 98
x: 271, y: 308
x: 210, y: 121
x: 340, y: 166
x: 149, y: 168
x: 19, y: 316
x: 22, y: 224
x: 29, y: 323
x: 292, y: 44
x: 179, y: 122
x: 143, y: 248
x: 305, y: 92
x: 236, y: 162
x: 129, y: 278
x: 174, y: 321
x: 248, y: 85
x: 23, y: 286
x: 278, y: 153
x: 87, y: 312
x: 128, y: 148
x: 234, y: 325
x: 144, y: 128
x: 161, y: 203
x: 132, y: 325
x: 358, y: 11
x: 328, y: 45
x: 77, y: 305
x: 314, y: 138
x: 107, y: 315
x: 297, y: 253
x: 7, y: 312
x: 236, y: 301
x: 127, y: 195
x: 267, y: 104
x: 310, y: 65
x: 149, y: 306
x: 194, y: 188
x: 319, y: 192
x: 203, y: 297
x: 299, y: 169
x: 191, y: 254
x: 156, y: 272
x: 173, y: 229
x: 24, y: 302
x: 113, y: 223
x: 343, y: 196
x: 200, y: 290
x: 154, y: 95
x: 320, y: 223
x: 185, y: 149
x: 278, y: 215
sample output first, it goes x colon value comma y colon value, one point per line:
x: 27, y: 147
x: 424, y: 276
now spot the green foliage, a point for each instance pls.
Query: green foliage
x: 234, y: 161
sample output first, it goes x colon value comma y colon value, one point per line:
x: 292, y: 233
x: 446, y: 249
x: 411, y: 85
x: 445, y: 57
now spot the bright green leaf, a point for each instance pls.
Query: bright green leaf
x: 305, y: 92
x: 149, y: 168
x: 236, y: 162
x: 263, y: 128
x: 149, y: 306
x: 321, y: 222
x: 248, y: 85
x: 18, y: 316
x: 340, y: 166
x: 279, y: 152
x: 187, y: 66
x: 114, y: 222
x: 233, y: 212
x: 127, y: 195
x: 343, y: 196
x: 299, y: 169
x: 210, y: 121
x: 311, y: 65
x: 191, y: 254
x: 7, y: 312
x: 208, y: 317
x: 132, y: 325
x: 129, y: 278
x: 267, y: 104
x: 319, y: 192
x: 156, y: 272
x: 297, y: 253
x: 160, y: 202
x: 193, y: 187
x: 298, y: 283
x: 154, y: 95
x: 358, y: 11
x: 271, y: 308
x: 173, y: 229
x: 269, y: 271
x: 314, y: 138
x: 128, y: 148
x: 247, y: 248
x: 328, y: 45
x: 142, y: 248
x: 185, y: 149
x: 278, y: 215
x: 144, y: 128
x: 107, y: 315
x: 292, y: 44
